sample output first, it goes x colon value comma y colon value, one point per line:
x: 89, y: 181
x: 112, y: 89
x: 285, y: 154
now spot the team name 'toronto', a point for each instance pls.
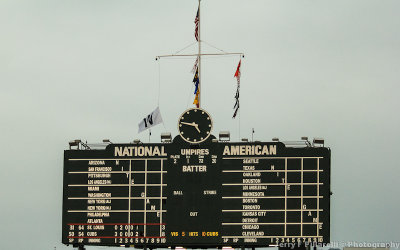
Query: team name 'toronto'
x: 250, y: 150
x: 140, y: 151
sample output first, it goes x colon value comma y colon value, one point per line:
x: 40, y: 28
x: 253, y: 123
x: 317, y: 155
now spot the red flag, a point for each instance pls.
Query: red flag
x: 237, y: 73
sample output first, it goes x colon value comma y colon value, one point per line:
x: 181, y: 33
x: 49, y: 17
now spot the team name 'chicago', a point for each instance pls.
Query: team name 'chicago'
x: 140, y: 151
x: 250, y: 150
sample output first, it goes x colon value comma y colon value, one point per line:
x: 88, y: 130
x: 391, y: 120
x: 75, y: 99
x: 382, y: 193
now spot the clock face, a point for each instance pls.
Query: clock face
x: 195, y: 125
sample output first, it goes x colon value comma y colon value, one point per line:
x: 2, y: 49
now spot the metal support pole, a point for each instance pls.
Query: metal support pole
x: 199, y: 87
x: 149, y: 134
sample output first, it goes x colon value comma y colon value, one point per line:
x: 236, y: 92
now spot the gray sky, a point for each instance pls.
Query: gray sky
x: 86, y: 69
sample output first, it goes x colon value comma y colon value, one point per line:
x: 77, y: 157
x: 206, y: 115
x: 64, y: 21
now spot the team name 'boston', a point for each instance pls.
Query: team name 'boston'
x: 140, y: 151
x: 250, y: 150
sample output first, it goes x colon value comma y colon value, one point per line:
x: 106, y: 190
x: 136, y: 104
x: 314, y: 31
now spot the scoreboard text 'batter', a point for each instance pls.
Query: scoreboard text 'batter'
x: 210, y: 194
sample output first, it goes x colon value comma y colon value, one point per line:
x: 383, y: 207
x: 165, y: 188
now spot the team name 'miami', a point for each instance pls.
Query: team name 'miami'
x: 250, y: 150
x: 140, y: 151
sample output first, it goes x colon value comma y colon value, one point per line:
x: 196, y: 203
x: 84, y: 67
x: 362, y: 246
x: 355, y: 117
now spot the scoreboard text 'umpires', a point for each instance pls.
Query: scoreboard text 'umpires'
x: 210, y: 194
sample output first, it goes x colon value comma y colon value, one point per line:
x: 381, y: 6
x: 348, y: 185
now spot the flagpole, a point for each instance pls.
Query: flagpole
x: 149, y: 134
x: 199, y: 55
x: 197, y: 66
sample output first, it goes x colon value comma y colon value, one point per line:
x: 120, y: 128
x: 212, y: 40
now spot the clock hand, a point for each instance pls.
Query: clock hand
x: 190, y: 124
x: 197, y: 127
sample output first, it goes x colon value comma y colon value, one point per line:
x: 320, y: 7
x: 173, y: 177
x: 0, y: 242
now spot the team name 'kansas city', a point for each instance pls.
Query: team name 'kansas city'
x: 140, y: 151
x: 250, y: 150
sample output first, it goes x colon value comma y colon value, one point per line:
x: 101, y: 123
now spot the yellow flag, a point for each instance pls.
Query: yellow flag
x: 196, y: 99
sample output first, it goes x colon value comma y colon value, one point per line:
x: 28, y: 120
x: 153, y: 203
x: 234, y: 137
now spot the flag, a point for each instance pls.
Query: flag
x: 236, y: 110
x: 151, y: 120
x: 236, y: 107
x: 237, y: 75
x: 196, y: 99
x: 194, y: 69
x: 196, y: 81
x: 196, y: 30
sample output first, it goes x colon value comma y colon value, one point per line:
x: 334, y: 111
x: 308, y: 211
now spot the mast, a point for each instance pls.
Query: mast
x: 199, y: 56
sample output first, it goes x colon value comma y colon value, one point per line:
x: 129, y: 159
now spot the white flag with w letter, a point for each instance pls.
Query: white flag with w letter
x: 151, y: 120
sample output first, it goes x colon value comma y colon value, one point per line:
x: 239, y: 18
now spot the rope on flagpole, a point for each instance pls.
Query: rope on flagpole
x: 214, y: 46
x: 159, y: 92
x: 185, y: 48
x: 159, y: 83
x: 239, y: 124
x: 239, y: 109
x: 164, y: 125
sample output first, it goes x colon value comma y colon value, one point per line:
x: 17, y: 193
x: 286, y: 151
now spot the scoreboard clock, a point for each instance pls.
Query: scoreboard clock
x: 195, y: 125
x: 196, y: 192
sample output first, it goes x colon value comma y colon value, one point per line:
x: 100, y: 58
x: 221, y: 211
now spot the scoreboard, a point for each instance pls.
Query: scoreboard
x: 208, y: 194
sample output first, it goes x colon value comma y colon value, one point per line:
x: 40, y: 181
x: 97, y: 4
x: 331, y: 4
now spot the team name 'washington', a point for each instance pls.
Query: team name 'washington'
x: 140, y: 151
x: 250, y: 150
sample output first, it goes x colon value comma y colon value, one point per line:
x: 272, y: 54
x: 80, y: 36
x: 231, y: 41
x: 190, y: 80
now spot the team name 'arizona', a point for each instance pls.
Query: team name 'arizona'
x: 250, y: 150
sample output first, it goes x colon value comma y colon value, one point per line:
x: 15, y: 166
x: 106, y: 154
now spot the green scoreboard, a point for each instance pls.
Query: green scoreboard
x: 203, y: 193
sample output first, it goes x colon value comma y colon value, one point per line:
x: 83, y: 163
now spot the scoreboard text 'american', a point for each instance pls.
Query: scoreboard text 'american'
x: 209, y: 194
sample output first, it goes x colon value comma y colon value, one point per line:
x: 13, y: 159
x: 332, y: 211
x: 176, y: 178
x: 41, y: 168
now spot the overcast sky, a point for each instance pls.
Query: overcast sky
x: 86, y: 69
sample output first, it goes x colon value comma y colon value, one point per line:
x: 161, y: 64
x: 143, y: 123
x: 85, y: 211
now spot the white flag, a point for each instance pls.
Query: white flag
x: 151, y: 120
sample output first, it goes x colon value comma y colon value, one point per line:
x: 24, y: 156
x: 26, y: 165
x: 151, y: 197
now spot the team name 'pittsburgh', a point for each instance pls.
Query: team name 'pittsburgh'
x: 250, y: 150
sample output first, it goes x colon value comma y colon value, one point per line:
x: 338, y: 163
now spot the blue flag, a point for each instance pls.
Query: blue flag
x: 196, y: 81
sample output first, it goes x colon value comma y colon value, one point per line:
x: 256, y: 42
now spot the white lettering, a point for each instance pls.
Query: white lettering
x: 250, y: 150
x: 194, y: 168
x: 140, y: 151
